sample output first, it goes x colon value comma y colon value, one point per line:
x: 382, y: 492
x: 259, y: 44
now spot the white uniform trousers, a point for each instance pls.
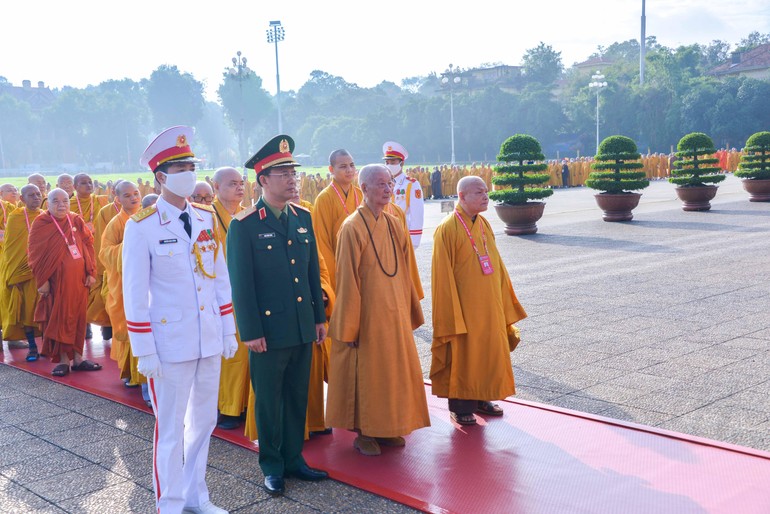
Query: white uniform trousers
x: 184, y: 400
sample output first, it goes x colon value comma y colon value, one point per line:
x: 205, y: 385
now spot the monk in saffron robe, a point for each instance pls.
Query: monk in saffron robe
x: 234, y: 380
x: 399, y: 213
x: 61, y: 255
x: 474, y: 309
x: 18, y: 290
x: 375, y: 381
x: 334, y: 203
x: 111, y: 258
x: 87, y: 204
x: 39, y: 180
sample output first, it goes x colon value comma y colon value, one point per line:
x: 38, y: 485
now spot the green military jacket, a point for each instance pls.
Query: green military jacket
x: 275, y: 276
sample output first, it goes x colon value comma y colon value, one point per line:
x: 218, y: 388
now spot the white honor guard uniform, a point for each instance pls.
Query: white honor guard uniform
x: 179, y: 308
x: 407, y: 190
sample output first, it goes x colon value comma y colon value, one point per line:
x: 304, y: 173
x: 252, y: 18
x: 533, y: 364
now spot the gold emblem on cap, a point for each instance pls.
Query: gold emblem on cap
x: 390, y: 148
x: 283, y: 147
x: 181, y: 140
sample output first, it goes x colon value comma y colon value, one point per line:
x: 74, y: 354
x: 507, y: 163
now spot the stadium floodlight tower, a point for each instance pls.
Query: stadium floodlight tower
x: 275, y: 34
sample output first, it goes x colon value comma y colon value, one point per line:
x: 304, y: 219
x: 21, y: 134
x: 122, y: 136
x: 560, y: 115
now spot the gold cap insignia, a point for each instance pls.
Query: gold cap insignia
x: 181, y: 140
x: 283, y: 147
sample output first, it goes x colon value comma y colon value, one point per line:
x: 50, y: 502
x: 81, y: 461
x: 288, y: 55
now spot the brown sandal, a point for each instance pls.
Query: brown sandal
x: 463, y: 419
x: 489, y: 409
x: 61, y: 370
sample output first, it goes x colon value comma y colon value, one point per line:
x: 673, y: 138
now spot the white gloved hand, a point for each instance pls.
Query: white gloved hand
x: 149, y: 366
x: 230, y: 346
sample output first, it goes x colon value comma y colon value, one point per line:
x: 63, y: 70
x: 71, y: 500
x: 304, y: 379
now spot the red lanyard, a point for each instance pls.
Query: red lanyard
x: 355, y: 196
x: 26, y: 217
x: 117, y: 209
x: 62, y: 232
x: 80, y: 209
x: 473, y: 243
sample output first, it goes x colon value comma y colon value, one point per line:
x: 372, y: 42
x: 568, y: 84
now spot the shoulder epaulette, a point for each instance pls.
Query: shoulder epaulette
x: 245, y: 212
x: 410, y: 179
x: 202, y: 206
x: 145, y: 213
x: 298, y: 206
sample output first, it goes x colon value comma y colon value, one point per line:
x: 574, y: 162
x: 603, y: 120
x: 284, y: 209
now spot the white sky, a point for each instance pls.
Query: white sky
x: 81, y: 42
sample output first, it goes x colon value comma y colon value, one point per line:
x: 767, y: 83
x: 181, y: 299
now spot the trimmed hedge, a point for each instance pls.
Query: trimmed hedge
x: 755, y: 163
x: 691, y: 171
x: 519, y: 155
x: 614, y: 175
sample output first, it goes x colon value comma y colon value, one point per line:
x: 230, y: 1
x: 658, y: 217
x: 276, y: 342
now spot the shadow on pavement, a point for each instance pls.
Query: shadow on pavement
x: 598, y: 243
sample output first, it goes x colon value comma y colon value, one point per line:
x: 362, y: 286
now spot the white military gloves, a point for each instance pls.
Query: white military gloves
x: 149, y: 366
x: 230, y: 346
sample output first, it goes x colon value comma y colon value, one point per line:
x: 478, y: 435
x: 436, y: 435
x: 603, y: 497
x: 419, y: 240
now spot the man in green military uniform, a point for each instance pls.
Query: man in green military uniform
x: 273, y: 262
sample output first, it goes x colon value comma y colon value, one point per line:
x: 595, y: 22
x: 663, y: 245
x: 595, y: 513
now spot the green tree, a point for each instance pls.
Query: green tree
x: 542, y: 65
x: 246, y: 104
x: 174, y: 97
x: 17, y: 129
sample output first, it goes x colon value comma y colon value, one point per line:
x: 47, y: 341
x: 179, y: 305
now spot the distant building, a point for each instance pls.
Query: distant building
x: 507, y: 78
x: 754, y: 64
x: 38, y: 97
x: 592, y: 65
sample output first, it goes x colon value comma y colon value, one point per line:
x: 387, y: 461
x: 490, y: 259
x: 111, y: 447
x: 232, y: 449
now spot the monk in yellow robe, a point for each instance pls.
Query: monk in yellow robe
x: 234, y: 380
x: 18, y: 290
x: 39, y: 180
x: 61, y: 256
x: 474, y: 309
x: 87, y: 205
x: 399, y: 213
x: 334, y: 203
x: 375, y: 381
x: 111, y: 258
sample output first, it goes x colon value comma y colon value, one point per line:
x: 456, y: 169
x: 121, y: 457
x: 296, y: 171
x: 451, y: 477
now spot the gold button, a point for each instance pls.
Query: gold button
x: 170, y: 253
x: 299, y: 298
x: 163, y: 321
x: 289, y: 242
x: 269, y: 247
x: 203, y: 308
x: 296, y: 280
x: 293, y: 261
x: 267, y: 313
x: 306, y: 240
x: 199, y: 288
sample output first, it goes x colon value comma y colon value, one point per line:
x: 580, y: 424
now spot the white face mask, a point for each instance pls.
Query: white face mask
x: 181, y: 184
x: 395, y: 169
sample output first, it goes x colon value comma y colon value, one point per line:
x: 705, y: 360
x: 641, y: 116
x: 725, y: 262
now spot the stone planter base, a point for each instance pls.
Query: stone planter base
x: 617, y: 206
x: 697, y: 198
x: 758, y: 189
x: 520, y: 219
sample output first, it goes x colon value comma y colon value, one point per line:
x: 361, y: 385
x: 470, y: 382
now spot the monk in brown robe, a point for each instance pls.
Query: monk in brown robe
x: 61, y: 255
x: 18, y: 291
x: 474, y: 309
x: 375, y: 381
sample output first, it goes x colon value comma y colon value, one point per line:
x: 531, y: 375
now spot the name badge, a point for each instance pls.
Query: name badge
x: 74, y: 251
x: 269, y: 235
x: 486, y: 265
x: 167, y: 241
x: 2, y: 235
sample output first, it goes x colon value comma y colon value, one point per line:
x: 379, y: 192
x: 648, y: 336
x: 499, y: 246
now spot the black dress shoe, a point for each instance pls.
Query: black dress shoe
x: 325, y: 431
x: 274, y: 484
x: 228, y: 422
x: 305, y: 472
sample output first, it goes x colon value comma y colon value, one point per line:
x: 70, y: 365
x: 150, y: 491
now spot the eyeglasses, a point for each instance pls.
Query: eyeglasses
x: 283, y: 175
x: 200, y: 198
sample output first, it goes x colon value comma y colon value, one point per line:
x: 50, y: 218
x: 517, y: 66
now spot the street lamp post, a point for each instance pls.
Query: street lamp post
x: 451, y: 80
x: 275, y: 34
x: 597, y: 82
x: 239, y: 72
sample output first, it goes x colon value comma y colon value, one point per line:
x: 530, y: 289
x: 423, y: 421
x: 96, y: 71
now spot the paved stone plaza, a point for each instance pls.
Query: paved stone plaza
x: 662, y: 321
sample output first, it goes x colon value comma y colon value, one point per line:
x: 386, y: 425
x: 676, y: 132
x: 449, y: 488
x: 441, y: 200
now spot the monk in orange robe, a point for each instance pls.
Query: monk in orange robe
x: 18, y: 291
x: 375, y: 381
x: 474, y: 309
x: 111, y: 258
x: 61, y: 255
x: 399, y: 213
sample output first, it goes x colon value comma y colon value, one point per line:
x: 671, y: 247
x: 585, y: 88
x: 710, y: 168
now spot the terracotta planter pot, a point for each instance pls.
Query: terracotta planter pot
x: 696, y: 198
x: 617, y: 206
x: 520, y: 219
x: 758, y: 189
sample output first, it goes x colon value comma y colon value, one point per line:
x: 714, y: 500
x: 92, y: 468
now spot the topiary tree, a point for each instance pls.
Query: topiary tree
x: 755, y: 162
x: 612, y: 160
x: 519, y: 154
x: 691, y: 171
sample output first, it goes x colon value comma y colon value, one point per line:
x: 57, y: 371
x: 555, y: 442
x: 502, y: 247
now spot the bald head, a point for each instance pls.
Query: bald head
x: 127, y: 194
x: 58, y: 203
x: 122, y: 185
x: 202, y: 193
x: 38, y: 180
x: 466, y: 183
x: 228, y: 185
x: 84, y: 186
x: 377, y: 185
x: 64, y: 182
x: 32, y: 197
x: 472, y: 195
x: 148, y: 200
x: 9, y: 193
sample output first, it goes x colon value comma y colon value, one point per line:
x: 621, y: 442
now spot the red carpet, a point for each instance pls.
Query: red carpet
x: 536, y: 459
